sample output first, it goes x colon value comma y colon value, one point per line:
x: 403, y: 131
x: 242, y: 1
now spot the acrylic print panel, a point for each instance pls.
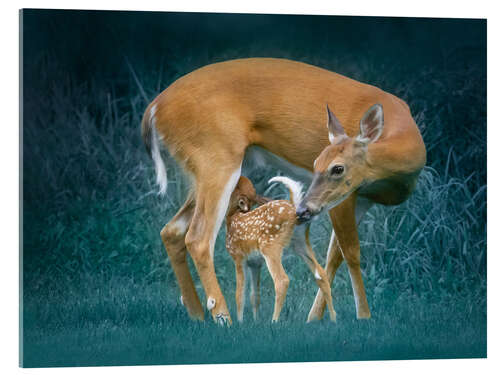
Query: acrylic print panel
x: 98, y: 287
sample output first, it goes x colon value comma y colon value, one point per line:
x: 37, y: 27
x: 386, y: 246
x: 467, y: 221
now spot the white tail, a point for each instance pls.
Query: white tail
x: 150, y: 137
x: 295, y: 188
x: 161, y: 172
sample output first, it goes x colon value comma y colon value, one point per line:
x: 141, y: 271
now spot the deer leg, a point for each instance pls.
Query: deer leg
x: 280, y: 279
x: 323, y: 284
x: 240, y: 288
x: 255, y: 266
x: 333, y: 261
x: 302, y: 246
x: 321, y: 279
x: 173, y: 235
x: 212, y: 198
x: 335, y: 257
x: 344, y: 224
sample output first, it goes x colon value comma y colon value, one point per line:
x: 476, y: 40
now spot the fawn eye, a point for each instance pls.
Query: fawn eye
x: 337, y: 170
x: 242, y: 204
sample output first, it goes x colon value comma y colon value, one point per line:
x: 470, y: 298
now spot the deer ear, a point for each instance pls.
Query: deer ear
x: 372, y: 124
x: 259, y: 199
x: 335, y: 129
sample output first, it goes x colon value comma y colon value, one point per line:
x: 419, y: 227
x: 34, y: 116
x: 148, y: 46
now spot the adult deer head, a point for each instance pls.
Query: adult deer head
x: 342, y: 166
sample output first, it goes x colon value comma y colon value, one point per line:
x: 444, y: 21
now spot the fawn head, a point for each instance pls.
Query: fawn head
x: 342, y: 166
x: 244, y: 197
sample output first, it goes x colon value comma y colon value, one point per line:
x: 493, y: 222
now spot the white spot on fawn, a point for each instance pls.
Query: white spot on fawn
x: 182, y: 301
x: 210, y: 303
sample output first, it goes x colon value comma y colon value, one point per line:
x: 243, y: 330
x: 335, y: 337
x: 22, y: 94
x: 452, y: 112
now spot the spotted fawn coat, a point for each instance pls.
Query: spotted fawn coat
x: 266, y: 230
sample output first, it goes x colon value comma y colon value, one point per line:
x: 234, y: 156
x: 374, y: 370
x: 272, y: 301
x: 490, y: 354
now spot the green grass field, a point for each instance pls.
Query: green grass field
x: 97, y: 286
x: 96, y: 325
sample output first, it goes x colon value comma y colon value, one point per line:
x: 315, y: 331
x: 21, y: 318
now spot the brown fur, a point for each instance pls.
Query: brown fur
x: 279, y: 105
x: 268, y: 230
x: 209, y: 117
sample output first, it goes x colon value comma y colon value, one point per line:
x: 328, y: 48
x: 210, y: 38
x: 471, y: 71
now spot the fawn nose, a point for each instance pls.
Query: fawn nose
x: 304, y: 214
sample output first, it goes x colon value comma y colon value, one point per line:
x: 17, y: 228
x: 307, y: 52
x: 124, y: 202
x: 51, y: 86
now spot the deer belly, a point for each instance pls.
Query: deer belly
x: 258, y: 157
x: 390, y: 191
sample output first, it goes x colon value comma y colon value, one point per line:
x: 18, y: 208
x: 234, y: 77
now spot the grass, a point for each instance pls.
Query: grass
x: 118, y: 322
x: 428, y: 297
x: 97, y: 285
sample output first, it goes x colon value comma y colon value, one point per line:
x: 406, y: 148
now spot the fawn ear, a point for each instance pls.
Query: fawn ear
x: 335, y: 129
x: 259, y: 199
x: 371, y: 125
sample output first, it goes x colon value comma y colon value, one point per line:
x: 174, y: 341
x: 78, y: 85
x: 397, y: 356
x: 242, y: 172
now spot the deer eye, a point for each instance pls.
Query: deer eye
x: 242, y: 204
x: 337, y: 170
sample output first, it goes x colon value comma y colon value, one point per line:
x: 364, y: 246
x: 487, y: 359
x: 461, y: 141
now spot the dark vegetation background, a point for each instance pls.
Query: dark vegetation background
x: 97, y: 285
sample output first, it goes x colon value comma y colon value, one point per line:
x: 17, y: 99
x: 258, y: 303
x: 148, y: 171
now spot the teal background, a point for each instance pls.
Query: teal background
x: 97, y: 287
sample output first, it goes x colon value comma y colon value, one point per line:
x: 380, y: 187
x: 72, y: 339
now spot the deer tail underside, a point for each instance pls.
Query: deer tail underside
x: 152, y: 144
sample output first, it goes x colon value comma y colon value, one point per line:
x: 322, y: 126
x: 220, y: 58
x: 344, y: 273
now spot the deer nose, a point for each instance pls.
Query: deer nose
x: 304, y: 214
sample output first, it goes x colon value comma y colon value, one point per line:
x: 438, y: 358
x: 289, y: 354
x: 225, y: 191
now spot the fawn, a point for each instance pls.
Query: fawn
x: 267, y: 230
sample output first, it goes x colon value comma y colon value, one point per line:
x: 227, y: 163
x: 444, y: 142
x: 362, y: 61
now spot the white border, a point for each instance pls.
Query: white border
x: 9, y: 172
x: 421, y: 8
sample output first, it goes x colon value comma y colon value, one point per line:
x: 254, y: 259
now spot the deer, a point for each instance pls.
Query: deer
x: 267, y: 230
x: 214, y: 118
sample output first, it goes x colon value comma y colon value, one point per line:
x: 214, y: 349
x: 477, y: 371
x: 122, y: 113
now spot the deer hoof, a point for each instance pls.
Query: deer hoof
x: 222, y: 319
x: 210, y: 303
x: 333, y: 317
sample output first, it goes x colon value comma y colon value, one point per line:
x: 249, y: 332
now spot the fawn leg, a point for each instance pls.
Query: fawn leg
x: 280, y: 279
x: 240, y: 288
x: 302, y: 247
x: 335, y: 255
x: 255, y: 266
